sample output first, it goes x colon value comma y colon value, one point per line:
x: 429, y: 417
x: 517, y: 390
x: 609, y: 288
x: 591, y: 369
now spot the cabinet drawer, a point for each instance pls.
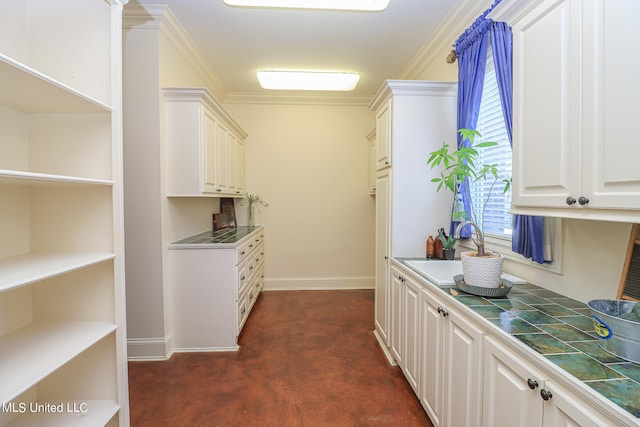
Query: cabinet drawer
x: 243, y: 279
x: 243, y: 311
x: 242, y: 252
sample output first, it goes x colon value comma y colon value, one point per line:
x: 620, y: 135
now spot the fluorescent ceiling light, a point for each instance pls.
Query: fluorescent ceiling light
x: 307, y: 80
x: 365, y: 5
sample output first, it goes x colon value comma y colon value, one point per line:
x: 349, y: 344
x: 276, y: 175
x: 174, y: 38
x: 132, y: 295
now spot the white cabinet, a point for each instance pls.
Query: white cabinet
x: 383, y: 135
x: 204, y: 151
x: 396, y: 339
x: 62, y: 325
x: 511, y: 389
x: 451, y: 357
x: 405, y: 325
x: 574, y: 96
x: 212, y: 289
x: 518, y: 394
x: 371, y: 137
x: 382, y: 262
x: 411, y: 332
x: 413, y: 118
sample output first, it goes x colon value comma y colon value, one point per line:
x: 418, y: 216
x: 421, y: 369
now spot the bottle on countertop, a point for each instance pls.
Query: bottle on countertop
x: 430, y: 247
x: 439, y: 253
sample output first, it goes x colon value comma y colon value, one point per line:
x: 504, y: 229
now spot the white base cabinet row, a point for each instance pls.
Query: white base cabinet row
x: 212, y: 292
x: 466, y: 374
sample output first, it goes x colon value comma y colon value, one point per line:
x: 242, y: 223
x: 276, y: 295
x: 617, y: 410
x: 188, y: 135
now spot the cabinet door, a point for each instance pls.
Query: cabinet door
x: 210, y: 157
x: 395, y: 334
x: 546, y: 112
x: 223, y: 159
x: 463, y: 368
x: 383, y: 136
x: 508, y: 399
x: 372, y: 168
x: 382, y: 258
x: 411, y: 333
x: 566, y: 409
x: 432, y: 396
x: 235, y: 164
x: 611, y: 176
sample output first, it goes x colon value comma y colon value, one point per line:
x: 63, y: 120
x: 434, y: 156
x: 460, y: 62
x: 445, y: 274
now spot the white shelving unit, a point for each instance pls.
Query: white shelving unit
x: 62, y: 327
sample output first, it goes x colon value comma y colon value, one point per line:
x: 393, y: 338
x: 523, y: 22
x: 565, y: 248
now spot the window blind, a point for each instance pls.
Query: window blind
x: 496, y: 221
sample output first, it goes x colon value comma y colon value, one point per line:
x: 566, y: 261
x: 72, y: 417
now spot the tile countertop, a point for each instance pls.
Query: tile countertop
x: 560, y: 329
x: 220, y: 238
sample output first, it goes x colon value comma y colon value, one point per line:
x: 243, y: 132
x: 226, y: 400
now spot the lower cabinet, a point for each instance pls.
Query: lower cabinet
x: 517, y: 394
x: 465, y: 373
x: 451, y: 356
x: 212, y: 291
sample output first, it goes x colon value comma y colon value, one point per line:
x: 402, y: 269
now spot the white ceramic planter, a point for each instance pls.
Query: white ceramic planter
x: 484, y: 272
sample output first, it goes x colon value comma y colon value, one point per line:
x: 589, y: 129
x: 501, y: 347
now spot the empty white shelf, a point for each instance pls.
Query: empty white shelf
x: 31, y: 353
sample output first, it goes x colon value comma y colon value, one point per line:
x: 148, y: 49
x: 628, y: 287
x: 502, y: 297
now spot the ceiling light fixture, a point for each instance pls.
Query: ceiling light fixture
x: 362, y: 5
x: 307, y: 80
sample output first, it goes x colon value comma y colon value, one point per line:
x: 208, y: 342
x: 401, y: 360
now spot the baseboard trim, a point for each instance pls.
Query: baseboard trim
x: 318, y: 283
x: 385, y: 349
x: 206, y: 349
x: 149, y: 349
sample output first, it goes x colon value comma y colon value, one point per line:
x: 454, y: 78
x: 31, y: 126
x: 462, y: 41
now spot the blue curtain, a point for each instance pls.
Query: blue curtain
x: 471, y: 50
x: 528, y: 231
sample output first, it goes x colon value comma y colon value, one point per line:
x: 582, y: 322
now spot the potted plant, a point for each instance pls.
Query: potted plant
x: 448, y: 246
x: 480, y: 268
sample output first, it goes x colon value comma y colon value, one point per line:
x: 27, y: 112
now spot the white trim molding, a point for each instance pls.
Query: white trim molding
x: 149, y: 349
x: 318, y: 283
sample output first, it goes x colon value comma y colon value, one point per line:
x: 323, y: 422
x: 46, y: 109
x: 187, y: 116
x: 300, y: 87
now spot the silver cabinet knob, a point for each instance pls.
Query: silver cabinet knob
x: 571, y: 200
x: 583, y: 200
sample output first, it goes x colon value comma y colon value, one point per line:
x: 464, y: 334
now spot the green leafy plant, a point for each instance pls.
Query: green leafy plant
x: 460, y: 164
x: 447, y: 243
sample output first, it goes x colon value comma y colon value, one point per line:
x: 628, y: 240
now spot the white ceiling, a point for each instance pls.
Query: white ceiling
x: 237, y: 42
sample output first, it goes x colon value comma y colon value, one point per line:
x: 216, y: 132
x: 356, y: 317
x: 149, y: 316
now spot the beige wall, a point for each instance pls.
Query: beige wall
x: 311, y: 163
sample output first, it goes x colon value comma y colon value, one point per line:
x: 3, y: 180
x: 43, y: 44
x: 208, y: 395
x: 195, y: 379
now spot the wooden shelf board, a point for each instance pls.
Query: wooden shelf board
x: 31, y: 353
x: 22, y: 270
x: 25, y: 89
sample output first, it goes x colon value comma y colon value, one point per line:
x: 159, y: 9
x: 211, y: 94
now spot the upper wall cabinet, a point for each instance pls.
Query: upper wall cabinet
x: 574, y: 97
x: 205, y: 155
x: 383, y: 136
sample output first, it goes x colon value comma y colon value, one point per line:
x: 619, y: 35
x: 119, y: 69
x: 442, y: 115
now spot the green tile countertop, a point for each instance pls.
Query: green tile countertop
x: 560, y: 329
x: 224, y: 237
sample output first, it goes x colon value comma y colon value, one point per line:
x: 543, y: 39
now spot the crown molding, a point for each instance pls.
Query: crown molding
x: 510, y: 11
x: 393, y: 88
x: 160, y: 18
x: 454, y: 24
x: 302, y: 98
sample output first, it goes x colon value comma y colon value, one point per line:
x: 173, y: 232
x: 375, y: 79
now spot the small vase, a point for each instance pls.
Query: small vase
x: 251, y: 216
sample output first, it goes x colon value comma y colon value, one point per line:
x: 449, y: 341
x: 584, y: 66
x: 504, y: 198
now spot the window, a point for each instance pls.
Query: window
x: 496, y: 221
